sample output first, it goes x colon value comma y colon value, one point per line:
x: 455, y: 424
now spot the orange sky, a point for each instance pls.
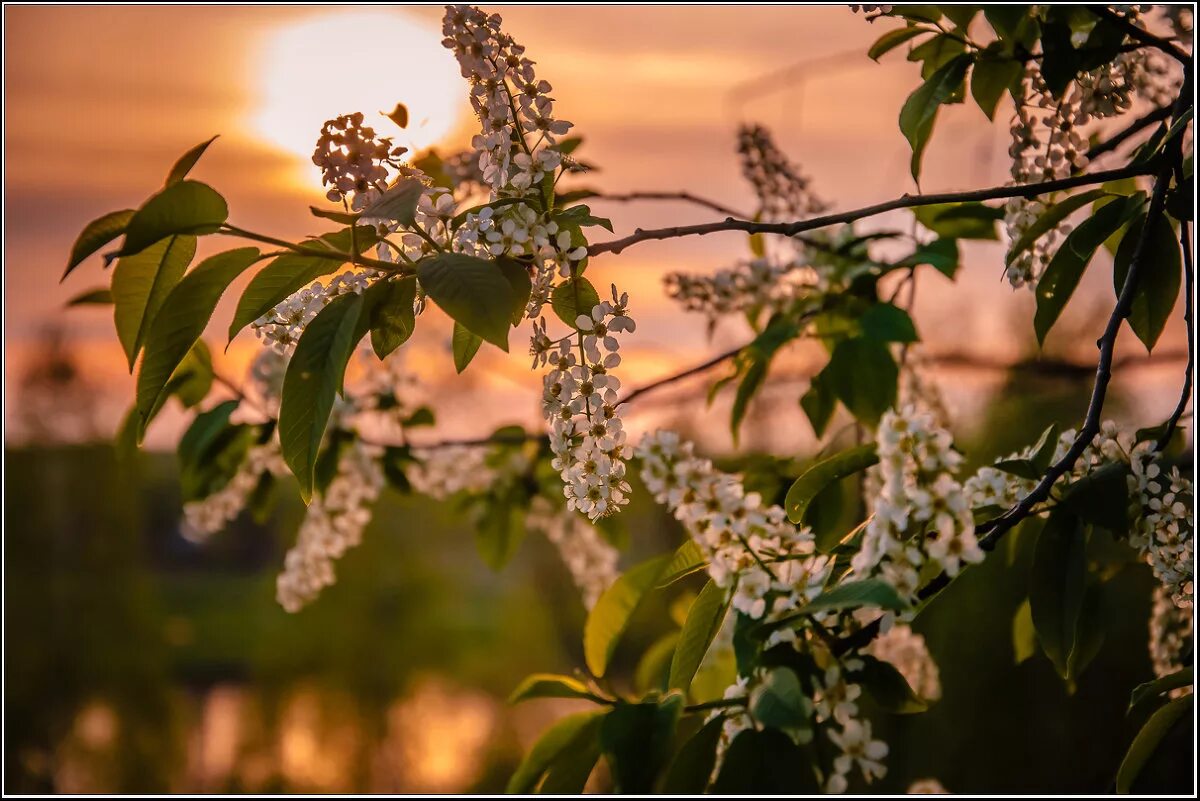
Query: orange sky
x: 100, y: 100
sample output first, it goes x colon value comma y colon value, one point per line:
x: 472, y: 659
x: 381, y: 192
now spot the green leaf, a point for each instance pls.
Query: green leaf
x: 1007, y: 20
x: 888, y: 323
x: 140, y: 285
x: 655, y: 663
x: 570, y: 733
x: 693, y: 765
x: 822, y: 474
x: 193, y: 378
x: 1024, y: 636
x: 893, y: 39
x: 1057, y: 584
x: 703, y: 621
x: 819, y: 403
x: 1148, y: 739
x: 98, y: 296
x: 398, y: 203
x: 564, y: 299
x: 854, y: 594
x: 960, y: 15
x: 920, y: 110
x: 568, y: 775
x: 1051, y: 217
x: 205, y: 471
x: 610, y: 616
x: 934, y: 54
x: 1161, y: 686
x: 970, y: 220
x: 863, y: 375
x: 314, y: 375
x: 1062, y: 275
x: 686, y: 560
x: 517, y: 275
x: 1101, y: 498
x: 184, y: 315
x: 753, y: 766
x: 187, y: 161
x: 779, y: 702
x: 888, y: 687
x: 991, y: 78
x: 185, y: 207
x: 391, y: 314
x: 97, y: 234
x: 465, y: 345
x: 549, y: 685
x: 636, y: 739
x: 343, y: 217
x: 941, y: 254
x: 1043, y: 450
x: 471, y: 291
x: 1158, y: 277
x: 271, y: 285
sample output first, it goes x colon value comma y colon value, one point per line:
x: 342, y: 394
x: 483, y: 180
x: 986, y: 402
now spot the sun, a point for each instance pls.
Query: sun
x: 389, y: 58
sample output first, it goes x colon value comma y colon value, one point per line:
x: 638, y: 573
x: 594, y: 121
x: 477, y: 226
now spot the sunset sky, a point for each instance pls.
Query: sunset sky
x: 99, y: 101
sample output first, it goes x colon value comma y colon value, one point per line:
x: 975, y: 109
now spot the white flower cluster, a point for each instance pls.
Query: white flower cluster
x: 591, y: 561
x: 352, y: 159
x: 579, y: 400
x: 907, y: 652
x: 282, y: 326
x: 921, y: 513
x: 1170, y: 633
x: 333, y: 524
x: 509, y: 99
x: 384, y: 397
x: 835, y: 702
x: 755, y: 284
x: 1164, y: 527
x: 441, y: 472
x: 783, y: 192
x: 751, y: 546
x: 207, y: 516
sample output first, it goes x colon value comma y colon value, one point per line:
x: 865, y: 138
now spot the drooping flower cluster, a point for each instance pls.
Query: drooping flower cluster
x: 579, y: 400
x: 1170, y: 634
x: 1164, y: 524
x: 441, y: 472
x: 771, y: 565
x: 783, y: 192
x: 906, y: 651
x: 836, y: 704
x: 757, y: 284
x: 921, y: 512
x: 282, y: 326
x: 353, y: 160
x: 333, y: 524
x: 205, y: 517
x: 591, y: 561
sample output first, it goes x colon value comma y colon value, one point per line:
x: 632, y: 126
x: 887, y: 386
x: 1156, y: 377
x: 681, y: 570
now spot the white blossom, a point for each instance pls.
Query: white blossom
x: 906, y: 651
x: 207, y: 516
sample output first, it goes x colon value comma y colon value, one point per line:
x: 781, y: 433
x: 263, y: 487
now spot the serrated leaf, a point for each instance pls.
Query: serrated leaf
x: 893, y: 39
x: 1148, y: 739
x: 1062, y: 275
x: 863, y: 375
x: 686, y: 560
x: 920, y: 110
x: 465, y: 345
x: 140, y: 285
x: 693, y: 765
x: 704, y: 619
x: 182, y: 319
x: 1159, y: 277
x: 97, y: 234
x: 92, y: 297
x: 398, y: 203
x: 471, y: 291
x: 636, y: 739
x: 549, y: 685
x: 572, y: 298
x: 825, y: 472
x: 314, y: 375
x: 182, y: 208
x: 1051, y: 217
x: 188, y: 160
x: 570, y: 732
x: 392, y: 316
x: 610, y: 616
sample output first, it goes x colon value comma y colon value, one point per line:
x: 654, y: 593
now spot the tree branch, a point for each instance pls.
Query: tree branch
x: 1186, y: 394
x: 1138, y: 125
x: 1141, y: 34
x: 903, y: 202
x: 686, y: 197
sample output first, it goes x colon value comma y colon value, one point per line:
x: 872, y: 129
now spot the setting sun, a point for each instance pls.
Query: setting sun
x: 304, y: 82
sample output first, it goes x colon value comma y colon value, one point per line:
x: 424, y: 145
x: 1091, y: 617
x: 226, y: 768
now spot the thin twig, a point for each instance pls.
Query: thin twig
x: 686, y: 197
x: 1141, y: 34
x: 1186, y: 394
x: 791, y: 229
x: 1136, y: 127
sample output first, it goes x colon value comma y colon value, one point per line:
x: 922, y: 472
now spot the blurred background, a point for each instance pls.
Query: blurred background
x: 137, y: 662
